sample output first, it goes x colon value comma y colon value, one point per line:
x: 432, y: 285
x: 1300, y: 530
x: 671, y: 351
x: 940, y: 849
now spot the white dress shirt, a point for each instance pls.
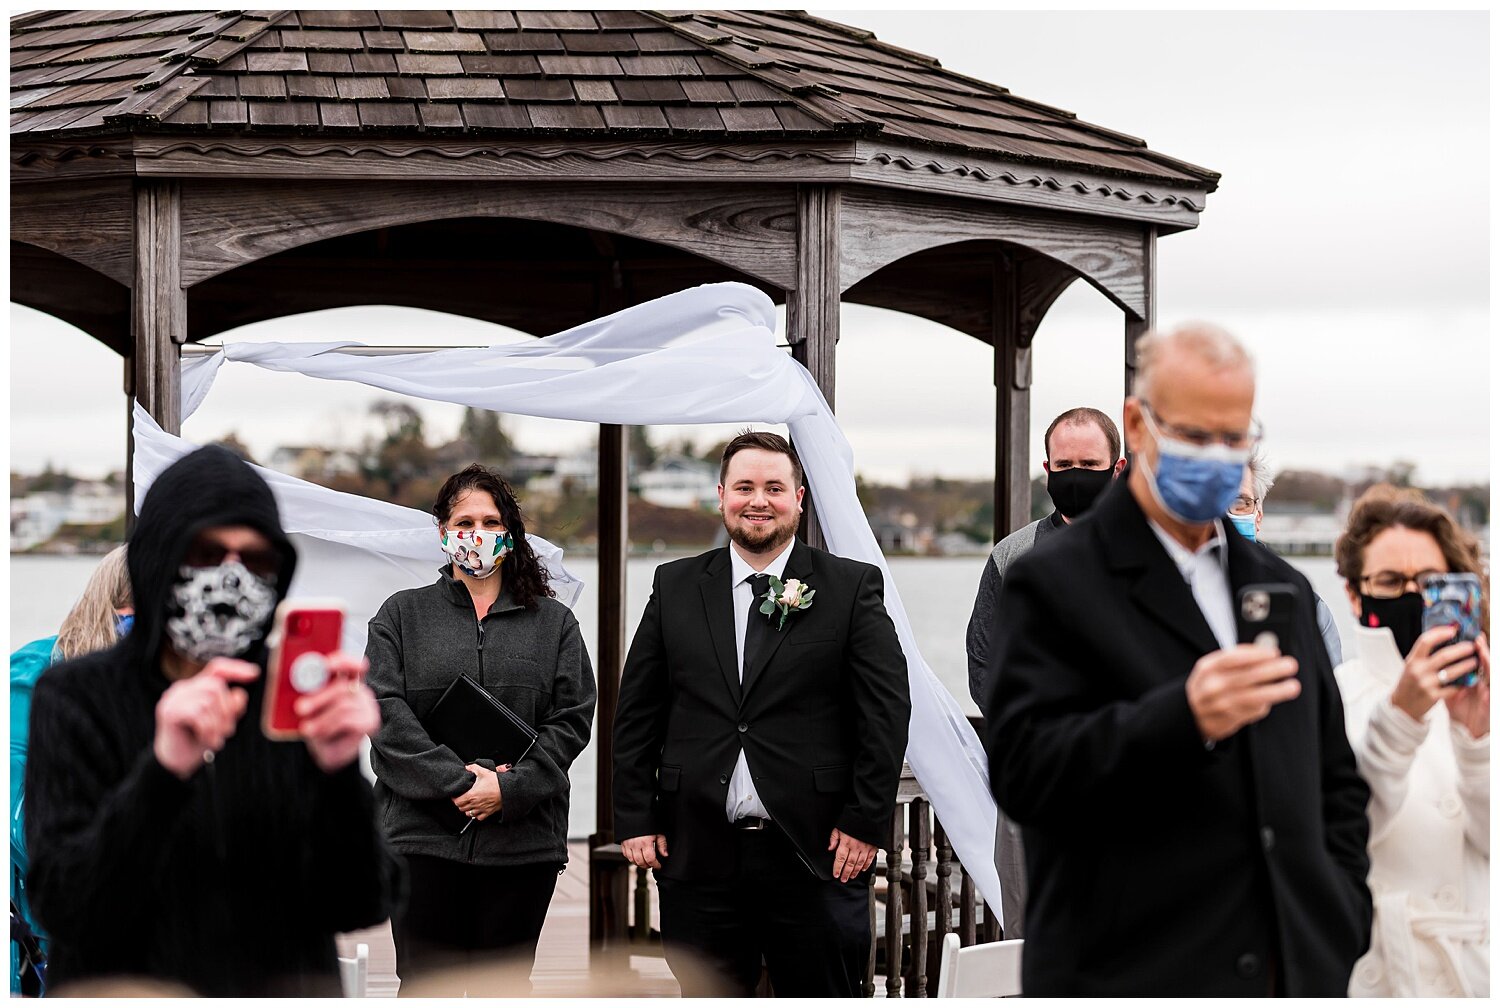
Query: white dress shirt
x: 1206, y: 571
x: 742, y: 800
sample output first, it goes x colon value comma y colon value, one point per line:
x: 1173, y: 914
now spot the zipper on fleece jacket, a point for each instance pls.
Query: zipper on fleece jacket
x: 473, y: 831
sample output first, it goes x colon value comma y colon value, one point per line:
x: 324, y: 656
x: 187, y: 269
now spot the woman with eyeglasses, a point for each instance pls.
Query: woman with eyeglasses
x: 1422, y: 742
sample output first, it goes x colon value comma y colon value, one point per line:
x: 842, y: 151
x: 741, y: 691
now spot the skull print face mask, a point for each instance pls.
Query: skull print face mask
x: 216, y: 612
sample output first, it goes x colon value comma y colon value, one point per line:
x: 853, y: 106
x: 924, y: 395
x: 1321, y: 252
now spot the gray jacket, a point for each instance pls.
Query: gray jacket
x: 983, y: 618
x: 532, y: 660
x: 1010, y: 857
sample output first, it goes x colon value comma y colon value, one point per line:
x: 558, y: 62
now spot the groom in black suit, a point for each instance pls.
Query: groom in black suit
x: 757, y: 754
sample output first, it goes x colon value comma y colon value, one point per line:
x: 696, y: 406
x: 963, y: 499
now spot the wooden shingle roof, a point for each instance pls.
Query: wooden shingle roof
x: 732, y: 75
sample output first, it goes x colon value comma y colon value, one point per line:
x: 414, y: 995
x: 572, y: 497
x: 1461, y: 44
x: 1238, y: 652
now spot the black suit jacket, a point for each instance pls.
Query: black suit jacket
x: 822, y: 716
x: 1157, y: 866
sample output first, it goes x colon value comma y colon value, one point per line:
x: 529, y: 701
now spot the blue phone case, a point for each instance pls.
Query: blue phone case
x: 1449, y: 599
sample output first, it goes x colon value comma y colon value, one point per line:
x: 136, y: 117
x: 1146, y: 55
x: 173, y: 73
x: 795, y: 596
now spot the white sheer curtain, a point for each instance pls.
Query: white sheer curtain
x: 704, y: 355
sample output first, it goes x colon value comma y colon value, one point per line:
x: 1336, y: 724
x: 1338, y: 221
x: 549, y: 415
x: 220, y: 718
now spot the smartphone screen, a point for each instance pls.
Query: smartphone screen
x: 1449, y: 600
x: 304, y: 635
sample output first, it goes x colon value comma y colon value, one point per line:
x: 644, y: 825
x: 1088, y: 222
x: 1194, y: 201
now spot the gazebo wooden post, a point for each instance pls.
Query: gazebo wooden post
x: 1137, y: 326
x: 609, y: 880
x: 158, y: 315
x: 812, y: 309
x: 1012, y: 403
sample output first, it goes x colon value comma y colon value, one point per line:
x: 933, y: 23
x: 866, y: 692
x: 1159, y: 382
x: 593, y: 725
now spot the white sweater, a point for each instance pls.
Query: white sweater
x: 1429, y: 835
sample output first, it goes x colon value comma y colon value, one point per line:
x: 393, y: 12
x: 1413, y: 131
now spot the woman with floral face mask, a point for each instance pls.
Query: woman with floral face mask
x: 490, y: 615
x: 1422, y: 742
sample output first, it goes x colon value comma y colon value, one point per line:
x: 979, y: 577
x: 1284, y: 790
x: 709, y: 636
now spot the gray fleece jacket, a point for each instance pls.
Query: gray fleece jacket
x: 534, y: 661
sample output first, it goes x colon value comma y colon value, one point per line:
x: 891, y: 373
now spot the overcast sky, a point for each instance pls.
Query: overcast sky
x: 1347, y: 245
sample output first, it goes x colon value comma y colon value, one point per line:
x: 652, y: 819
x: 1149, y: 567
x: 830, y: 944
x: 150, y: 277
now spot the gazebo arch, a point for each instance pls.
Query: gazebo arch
x: 536, y: 276
x: 160, y: 154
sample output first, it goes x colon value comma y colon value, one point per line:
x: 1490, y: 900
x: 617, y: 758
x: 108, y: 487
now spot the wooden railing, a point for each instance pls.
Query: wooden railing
x: 926, y: 893
x: 920, y: 892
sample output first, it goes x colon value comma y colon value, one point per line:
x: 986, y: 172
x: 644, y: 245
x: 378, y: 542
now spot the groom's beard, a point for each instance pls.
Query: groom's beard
x: 761, y: 539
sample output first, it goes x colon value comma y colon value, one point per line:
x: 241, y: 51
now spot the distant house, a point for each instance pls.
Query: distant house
x: 1301, y: 532
x: 94, y: 502
x: 680, y: 481
x: 37, y: 517
x: 575, y: 473
x: 314, y: 462
x: 901, y: 532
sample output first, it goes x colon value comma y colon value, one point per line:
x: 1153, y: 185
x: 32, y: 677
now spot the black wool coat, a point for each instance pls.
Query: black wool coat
x: 1157, y: 866
x: 233, y: 882
x: 822, y: 715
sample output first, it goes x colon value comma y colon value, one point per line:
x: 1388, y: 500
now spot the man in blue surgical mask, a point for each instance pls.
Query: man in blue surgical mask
x: 1246, y: 514
x: 1193, y: 820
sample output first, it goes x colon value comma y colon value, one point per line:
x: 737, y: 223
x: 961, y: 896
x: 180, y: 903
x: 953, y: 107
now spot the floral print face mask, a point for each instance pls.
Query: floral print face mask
x: 477, y: 552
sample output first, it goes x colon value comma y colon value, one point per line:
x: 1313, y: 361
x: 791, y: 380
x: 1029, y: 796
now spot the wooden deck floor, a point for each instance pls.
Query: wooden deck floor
x: 562, y: 959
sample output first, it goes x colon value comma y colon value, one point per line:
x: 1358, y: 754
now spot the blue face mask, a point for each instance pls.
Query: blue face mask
x: 123, y: 623
x: 1245, y: 524
x: 1194, y: 483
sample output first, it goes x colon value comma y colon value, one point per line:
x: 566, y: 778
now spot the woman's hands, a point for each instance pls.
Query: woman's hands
x: 483, y: 799
x: 1470, y: 706
x: 1428, y: 670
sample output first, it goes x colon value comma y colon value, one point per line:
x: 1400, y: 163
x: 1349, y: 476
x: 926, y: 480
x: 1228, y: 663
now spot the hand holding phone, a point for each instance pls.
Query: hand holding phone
x: 304, y: 637
x: 1453, y: 600
x: 1266, y: 615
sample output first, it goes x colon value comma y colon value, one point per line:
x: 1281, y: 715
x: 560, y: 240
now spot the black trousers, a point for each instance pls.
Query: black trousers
x: 813, y: 936
x: 470, y: 928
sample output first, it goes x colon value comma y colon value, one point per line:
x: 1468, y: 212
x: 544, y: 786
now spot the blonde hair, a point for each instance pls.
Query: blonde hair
x: 90, y: 624
x: 1207, y: 342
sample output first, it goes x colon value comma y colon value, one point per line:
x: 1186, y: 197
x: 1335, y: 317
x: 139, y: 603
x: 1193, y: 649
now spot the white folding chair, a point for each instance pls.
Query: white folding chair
x: 354, y: 973
x: 992, y: 969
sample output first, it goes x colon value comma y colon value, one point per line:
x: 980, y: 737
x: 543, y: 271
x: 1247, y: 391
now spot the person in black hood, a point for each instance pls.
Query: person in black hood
x: 165, y: 844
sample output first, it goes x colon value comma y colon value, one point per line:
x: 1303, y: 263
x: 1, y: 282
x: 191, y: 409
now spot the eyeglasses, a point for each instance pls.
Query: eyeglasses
x: 265, y: 563
x: 1392, y: 584
x: 1200, y: 438
x: 1243, y: 505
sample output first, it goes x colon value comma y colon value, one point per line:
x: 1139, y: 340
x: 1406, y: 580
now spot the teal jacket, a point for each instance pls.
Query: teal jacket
x: 26, y: 667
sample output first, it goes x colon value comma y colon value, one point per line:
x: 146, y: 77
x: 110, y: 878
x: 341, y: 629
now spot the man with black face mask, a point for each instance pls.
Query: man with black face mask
x: 1082, y: 447
x: 165, y: 843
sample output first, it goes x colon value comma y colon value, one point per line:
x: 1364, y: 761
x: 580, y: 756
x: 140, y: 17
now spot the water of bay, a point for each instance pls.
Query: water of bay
x: 938, y: 593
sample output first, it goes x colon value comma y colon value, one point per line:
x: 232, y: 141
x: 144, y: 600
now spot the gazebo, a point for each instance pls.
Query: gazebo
x: 174, y: 175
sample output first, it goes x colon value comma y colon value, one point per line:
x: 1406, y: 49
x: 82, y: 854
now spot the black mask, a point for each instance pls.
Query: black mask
x: 1073, y: 491
x: 1401, y: 615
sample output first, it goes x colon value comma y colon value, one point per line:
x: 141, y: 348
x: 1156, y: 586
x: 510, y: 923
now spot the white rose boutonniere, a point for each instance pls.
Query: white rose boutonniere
x: 787, y: 596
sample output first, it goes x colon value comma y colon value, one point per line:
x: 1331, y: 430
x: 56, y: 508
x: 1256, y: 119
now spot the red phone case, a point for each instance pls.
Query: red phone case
x: 304, y: 634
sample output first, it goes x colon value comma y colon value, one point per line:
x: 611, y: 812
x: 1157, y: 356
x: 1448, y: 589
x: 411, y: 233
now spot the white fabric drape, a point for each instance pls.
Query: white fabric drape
x: 704, y: 355
x: 349, y: 548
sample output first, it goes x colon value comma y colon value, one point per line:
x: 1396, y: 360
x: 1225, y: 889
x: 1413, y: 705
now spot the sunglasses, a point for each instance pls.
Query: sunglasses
x: 265, y: 563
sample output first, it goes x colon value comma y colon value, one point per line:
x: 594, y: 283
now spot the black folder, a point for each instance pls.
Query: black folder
x: 476, y: 726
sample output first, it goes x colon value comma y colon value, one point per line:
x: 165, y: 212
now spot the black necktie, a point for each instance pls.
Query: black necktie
x: 757, y: 625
